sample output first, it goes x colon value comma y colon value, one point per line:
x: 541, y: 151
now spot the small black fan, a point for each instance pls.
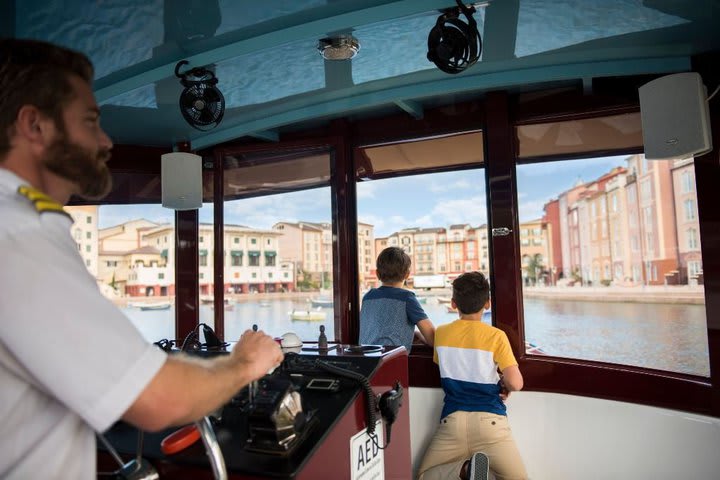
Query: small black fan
x: 201, y: 103
x: 454, y: 45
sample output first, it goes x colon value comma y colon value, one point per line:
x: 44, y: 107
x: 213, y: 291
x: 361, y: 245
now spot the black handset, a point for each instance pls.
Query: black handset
x: 389, y: 404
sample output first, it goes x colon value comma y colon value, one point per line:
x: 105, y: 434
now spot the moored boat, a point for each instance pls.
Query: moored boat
x: 155, y: 306
x: 308, y: 315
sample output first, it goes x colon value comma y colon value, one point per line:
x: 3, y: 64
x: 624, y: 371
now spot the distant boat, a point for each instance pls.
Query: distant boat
x: 533, y: 349
x: 421, y: 299
x: 322, y: 302
x: 308, y: 315
x: 155, y: 306
x: 207, y: 299
x: 443, y: 299
x: 264, y: 304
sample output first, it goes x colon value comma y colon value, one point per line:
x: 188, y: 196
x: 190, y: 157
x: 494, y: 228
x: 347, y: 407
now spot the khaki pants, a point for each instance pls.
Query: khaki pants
x: 461, y: 434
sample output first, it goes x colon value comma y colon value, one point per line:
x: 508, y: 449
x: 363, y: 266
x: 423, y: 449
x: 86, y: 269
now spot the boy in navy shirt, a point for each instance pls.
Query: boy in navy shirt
x: 390, y: 313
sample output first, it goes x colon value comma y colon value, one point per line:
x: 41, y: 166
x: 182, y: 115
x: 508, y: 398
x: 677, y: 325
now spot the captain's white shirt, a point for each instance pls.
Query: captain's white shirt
x: 70, y: 362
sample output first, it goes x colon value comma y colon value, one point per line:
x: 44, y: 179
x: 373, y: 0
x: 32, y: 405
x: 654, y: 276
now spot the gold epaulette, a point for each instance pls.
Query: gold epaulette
x: 41, y: 201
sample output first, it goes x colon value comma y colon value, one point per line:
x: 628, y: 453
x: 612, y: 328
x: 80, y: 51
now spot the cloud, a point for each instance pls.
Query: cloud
x: 264, y: 212
x: 451, y: 187
x: 531, y: 210
x: 366, y: 190
x: 471, y: 210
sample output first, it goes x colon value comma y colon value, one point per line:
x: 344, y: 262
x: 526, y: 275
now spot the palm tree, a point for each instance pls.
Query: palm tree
x: 534, y: 268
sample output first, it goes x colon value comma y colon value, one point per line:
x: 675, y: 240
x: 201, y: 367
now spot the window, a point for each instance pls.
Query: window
x: 687, y: 182
x: 134, y: 283
x: 689, y: 209
x: 612, y: 329
x: 284, y: 207
x: 428, y: 205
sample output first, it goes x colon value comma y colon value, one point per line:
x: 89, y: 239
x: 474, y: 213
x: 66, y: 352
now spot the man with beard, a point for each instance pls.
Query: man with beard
x: 70, y: 362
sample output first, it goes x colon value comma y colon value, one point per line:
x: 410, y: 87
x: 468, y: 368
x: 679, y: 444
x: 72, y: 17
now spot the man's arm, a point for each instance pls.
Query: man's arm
x: 186, y: 388
x: 427, y: 330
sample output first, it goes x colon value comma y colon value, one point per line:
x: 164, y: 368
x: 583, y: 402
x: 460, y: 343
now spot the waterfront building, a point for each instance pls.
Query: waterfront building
x: 85, y: 233
x: 687, y: 223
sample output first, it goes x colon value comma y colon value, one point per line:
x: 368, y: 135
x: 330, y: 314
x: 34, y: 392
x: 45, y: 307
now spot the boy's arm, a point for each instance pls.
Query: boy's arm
x: 427, y: 330
x: 512, y: 378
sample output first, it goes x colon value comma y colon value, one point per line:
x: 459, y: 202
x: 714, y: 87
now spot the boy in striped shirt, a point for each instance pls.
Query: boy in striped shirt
x: 473, y: 429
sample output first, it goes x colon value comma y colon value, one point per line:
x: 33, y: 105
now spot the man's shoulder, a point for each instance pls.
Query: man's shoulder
x: 17, y: 214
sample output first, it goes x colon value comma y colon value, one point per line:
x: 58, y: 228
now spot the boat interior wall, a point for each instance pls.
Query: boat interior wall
x: 566, y: 437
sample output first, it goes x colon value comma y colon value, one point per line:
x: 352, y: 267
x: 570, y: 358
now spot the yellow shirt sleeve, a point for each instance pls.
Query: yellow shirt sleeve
x: 503, y: 353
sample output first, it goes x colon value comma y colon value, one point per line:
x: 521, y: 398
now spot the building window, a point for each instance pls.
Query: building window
x: 161, y: 276
x: 692, y: 239
x: 689, y: 210
x: 88, y: 248
x: 88, y: 220
x: 88, y: 235
x: 687, y: 182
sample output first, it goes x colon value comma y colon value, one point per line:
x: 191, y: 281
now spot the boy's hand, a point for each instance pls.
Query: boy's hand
x: 504, y: 392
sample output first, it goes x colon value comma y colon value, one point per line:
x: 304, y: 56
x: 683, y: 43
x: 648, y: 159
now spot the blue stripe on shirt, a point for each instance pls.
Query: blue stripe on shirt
x: 471, y: 397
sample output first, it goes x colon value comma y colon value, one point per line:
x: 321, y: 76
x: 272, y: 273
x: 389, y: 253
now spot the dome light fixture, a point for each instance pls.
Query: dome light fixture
x: 342, y: 47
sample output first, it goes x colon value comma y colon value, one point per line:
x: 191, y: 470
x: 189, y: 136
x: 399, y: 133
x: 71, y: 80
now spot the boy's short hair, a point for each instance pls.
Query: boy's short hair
x: 393, y: 265
x: 471, y: 291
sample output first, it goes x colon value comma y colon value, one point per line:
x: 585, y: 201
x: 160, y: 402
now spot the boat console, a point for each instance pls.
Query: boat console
x: 308, y: 419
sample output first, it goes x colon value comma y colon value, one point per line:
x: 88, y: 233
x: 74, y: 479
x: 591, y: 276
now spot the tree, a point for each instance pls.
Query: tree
x: 534, y: 268
x: 113, y: 285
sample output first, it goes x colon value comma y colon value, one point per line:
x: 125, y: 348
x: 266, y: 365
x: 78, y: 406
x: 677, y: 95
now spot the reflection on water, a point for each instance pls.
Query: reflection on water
x: 651, y: 335
x: 662, y: 336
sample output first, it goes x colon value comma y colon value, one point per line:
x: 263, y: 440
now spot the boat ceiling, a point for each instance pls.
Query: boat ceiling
x: 265, y: 54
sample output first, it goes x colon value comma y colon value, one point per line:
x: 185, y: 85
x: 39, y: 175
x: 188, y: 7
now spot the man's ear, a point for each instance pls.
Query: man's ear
x: 487, y: 305
x: 33, y: 126
x: 453, y: 304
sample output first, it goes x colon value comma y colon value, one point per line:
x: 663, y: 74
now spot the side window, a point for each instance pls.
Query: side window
x: 130, y: 268
x: 632, y: 294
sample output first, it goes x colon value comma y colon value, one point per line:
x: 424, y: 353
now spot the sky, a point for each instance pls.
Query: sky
x: 432, y: 200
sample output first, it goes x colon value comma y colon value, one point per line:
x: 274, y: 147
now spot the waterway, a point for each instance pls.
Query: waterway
x: 668, y: 337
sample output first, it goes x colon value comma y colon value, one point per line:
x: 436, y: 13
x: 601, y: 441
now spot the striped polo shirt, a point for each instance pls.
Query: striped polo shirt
x: 469, y: 354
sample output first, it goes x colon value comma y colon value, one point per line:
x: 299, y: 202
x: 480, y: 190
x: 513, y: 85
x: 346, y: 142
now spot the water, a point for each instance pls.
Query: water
x: 661, y: 336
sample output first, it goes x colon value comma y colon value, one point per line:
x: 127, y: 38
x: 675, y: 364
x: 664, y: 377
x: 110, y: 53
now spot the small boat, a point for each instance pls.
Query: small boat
x: 533, y: 349
x: 264, y: 304
x: 421, y: 299
x: 207, y: 299
x: 444, y: 299
x: 307, y: 315
x: 155, y: 306
x: 322, y: 302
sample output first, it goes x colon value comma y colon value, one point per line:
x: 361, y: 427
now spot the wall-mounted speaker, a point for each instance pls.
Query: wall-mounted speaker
x: 675, y: 117
x: 181, y: 180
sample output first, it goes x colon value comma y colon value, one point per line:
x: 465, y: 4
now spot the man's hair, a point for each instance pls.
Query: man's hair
x: 36, y: 73
x: 471, y: 292
x: 393, y: 265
